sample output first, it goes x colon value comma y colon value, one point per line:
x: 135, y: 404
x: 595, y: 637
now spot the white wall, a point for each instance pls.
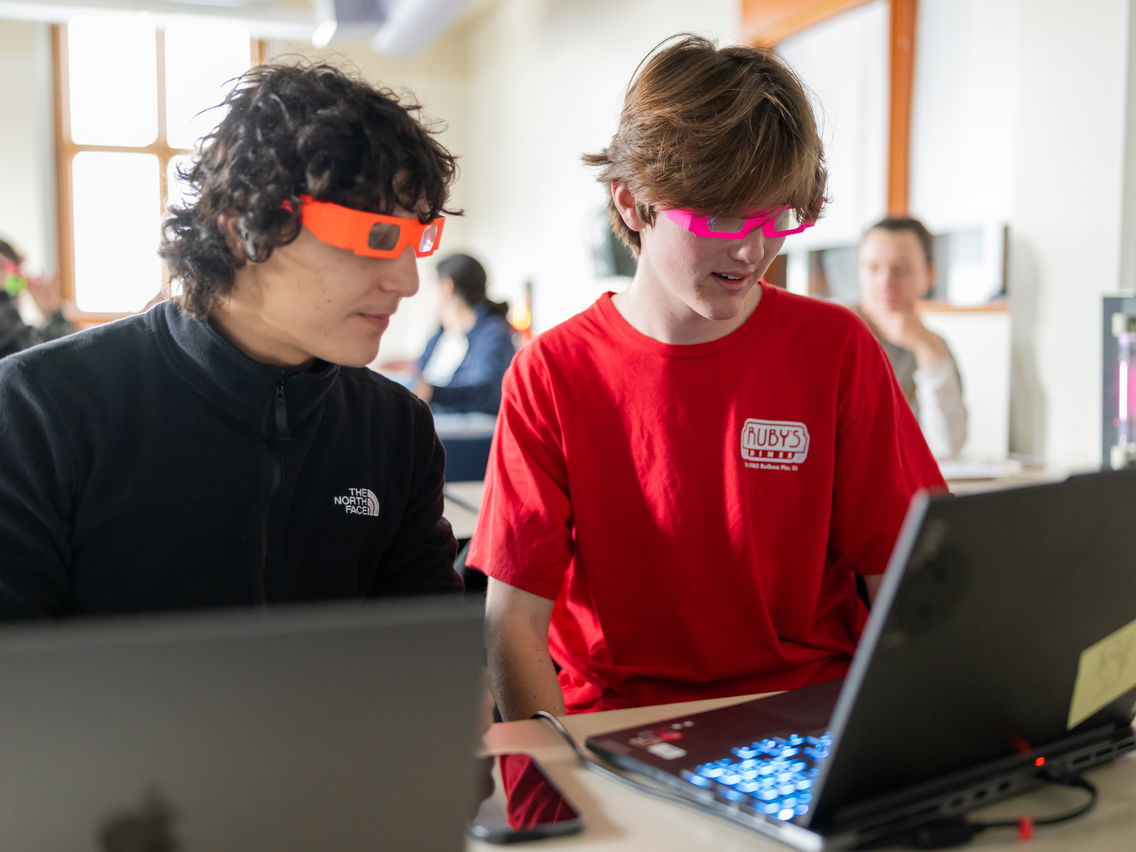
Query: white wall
x: 844, y: 63
x: 980, y: 343
x: 27, y: 146
x: 1074, y: 105
x: 963, y: 127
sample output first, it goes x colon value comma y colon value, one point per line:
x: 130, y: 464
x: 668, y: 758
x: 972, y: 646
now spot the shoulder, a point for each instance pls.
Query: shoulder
x: 491, y: 325
x: 94, y: 355
x: 366, y: 388
x: 568, y: 340
x: 368, y: 382
x: 818, y: 314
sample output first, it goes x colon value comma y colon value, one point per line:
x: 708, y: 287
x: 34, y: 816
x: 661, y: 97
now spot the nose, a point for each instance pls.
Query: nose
x: 755, y: 247
x: 889, y: 282
x: 400, y: 274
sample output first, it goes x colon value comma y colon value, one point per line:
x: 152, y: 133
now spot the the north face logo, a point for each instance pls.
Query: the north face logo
x: 359, y: 501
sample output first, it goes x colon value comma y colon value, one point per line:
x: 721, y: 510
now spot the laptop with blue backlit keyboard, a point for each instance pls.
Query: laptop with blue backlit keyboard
x: 981, y: 663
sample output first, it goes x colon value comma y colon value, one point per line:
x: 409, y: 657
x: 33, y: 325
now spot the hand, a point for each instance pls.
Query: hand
x: 901, y: 328
x: 905, y: 329
x: 47, y: 292
x: 423, y: 390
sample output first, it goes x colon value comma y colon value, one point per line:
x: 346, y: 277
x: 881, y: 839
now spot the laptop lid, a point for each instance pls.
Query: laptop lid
x: 1006, y: 624
x: 328, y: 727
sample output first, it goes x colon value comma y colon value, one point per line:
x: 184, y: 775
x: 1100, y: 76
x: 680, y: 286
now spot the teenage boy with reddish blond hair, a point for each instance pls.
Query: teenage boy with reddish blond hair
x: 689, y: 477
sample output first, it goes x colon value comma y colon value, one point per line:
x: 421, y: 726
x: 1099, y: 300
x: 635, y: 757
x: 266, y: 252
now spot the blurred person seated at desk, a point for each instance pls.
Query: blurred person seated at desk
x: 229, y: 447
x: 15, y: 334
x: 896, y: 271
x: 690, y: 479
x: 462, y: 365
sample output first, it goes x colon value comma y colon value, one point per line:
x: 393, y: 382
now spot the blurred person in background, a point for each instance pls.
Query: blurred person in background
x: 896, y: 271
x: 15, y: 334
x: 461, y: 368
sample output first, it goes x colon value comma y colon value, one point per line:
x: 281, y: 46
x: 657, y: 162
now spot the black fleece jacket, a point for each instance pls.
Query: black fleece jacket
x: 149, y: 465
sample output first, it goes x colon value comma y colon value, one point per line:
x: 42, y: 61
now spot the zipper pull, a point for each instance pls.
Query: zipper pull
x: 282, y: 431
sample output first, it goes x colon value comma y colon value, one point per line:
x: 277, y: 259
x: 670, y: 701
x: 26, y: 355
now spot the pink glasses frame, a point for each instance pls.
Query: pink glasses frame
x: 764, y: 219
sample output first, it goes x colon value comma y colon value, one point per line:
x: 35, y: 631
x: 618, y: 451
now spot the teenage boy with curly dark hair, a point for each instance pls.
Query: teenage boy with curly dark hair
x: 229, y: 447
x: 689, y: 478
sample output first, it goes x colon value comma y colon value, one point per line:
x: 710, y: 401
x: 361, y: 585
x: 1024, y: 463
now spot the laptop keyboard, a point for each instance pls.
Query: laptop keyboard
x: 774, y: 776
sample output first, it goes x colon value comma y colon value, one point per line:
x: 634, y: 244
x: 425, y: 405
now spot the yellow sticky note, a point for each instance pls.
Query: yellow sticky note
x: 1105, y: 672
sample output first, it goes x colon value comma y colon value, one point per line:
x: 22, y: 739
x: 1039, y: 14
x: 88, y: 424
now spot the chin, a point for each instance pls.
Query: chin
x: 356, y: 356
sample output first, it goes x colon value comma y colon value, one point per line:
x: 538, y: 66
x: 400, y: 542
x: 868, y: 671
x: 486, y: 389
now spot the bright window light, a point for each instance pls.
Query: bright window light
x: 199, y: 77
x: 111, y: 61
x: 116, y: 202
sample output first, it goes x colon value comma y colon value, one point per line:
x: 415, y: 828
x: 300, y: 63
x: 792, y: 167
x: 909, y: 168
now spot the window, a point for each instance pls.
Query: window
x: 132, y: 99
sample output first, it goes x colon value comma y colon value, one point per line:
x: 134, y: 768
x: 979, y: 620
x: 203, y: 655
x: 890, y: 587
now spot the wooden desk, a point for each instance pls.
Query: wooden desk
x: 618, y: 819
x: 973, y: 477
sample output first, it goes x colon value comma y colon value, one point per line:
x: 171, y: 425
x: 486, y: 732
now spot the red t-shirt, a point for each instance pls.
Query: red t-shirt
x: 699, y: 512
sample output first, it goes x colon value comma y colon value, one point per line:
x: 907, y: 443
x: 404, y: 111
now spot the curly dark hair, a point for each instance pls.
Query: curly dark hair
x: 291, y: 130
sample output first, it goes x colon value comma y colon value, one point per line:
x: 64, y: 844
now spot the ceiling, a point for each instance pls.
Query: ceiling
x: 392, y: 27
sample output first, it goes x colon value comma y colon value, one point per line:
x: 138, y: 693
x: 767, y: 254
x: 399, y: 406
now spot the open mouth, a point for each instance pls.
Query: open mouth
x: 725, y: 276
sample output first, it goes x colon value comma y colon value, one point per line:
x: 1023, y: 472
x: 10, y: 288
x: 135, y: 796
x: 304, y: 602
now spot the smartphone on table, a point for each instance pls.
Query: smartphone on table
x: 520, y: 802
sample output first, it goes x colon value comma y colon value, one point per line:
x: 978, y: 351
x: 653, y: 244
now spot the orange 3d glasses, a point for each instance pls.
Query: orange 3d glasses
x: 369, y: 234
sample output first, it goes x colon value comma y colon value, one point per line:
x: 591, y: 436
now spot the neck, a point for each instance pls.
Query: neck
x: 458, y: 318
x: 243, y: 328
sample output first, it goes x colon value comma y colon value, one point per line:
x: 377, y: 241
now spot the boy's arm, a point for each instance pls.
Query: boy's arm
x: 872, y: 586
x: 516, y: 640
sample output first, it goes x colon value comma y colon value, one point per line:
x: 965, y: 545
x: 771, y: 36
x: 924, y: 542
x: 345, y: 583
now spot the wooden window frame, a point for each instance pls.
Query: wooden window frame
x: 767, y: 23
x: 66, y: 150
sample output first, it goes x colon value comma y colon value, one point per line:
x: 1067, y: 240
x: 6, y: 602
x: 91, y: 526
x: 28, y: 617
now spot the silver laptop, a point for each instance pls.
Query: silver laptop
x: 331, y: 727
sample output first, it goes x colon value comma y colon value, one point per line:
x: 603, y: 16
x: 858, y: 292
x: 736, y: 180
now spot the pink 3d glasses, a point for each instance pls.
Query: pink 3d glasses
x: 777, y: 222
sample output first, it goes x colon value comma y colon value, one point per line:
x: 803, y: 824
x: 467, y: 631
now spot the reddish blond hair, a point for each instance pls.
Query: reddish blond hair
x: 716, y: 130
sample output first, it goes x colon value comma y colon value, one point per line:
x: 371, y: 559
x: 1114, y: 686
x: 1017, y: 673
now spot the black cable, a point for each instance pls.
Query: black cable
x: 1065, y: 779
x: 955, y: 831
x: 594, y: 765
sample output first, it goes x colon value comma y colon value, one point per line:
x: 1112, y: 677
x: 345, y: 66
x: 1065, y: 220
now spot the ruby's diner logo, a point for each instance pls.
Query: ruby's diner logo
x: 774, y: 444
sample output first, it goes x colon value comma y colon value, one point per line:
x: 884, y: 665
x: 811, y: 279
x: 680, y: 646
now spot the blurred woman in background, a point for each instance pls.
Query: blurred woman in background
x: 464, y: 361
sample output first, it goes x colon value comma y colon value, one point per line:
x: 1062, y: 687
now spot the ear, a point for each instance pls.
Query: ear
x: 625, y: 204
x: 228, y: 223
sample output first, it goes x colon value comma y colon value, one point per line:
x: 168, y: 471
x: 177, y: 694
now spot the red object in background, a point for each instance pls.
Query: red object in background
x: 522, y: 316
